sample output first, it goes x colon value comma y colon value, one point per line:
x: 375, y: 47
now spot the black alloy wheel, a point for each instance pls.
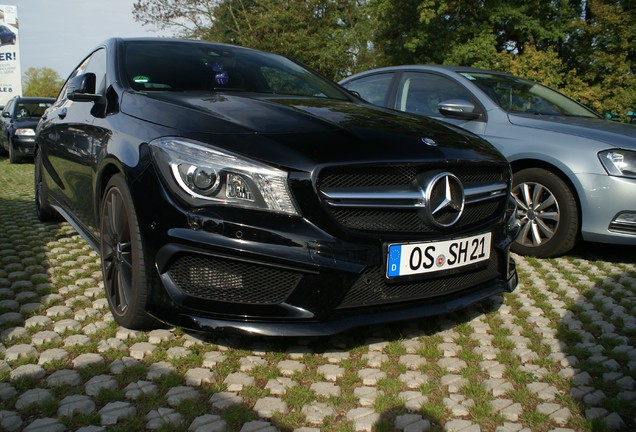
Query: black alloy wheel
x: 123, y: 262
x: 548, y: 213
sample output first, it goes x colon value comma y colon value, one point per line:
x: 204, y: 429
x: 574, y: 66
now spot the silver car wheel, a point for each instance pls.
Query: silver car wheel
x: 538, y: 211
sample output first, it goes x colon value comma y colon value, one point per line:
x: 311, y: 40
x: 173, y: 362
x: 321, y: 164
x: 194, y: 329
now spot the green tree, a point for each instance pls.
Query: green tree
x: 466, y: 31
x: 41, y: 82
x: 602, y: 48
x: 332, y: 36
x: 188, y: 18
x: 585, y: 48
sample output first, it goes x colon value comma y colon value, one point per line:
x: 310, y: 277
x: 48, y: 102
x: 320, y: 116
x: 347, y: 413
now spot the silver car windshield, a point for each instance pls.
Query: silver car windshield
x: 517, y: 95
x: 184, y: 66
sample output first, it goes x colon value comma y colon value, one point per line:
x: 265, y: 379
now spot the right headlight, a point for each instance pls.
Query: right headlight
x: 618, y: 162
x: 203, y: 175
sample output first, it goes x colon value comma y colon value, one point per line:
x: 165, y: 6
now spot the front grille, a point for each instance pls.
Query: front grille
x: 408, y: 221
x: 371, y: 287
x: 231, y: 281
x: 362, y: 213
x: 403, y: 174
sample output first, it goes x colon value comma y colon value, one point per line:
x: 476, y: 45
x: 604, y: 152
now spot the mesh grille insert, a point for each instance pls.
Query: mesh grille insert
x: 371, y: 287
x: 231, y: 281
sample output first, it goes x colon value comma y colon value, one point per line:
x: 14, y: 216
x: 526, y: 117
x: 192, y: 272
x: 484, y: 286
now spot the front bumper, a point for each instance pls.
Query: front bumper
x: 607, y: 203
x: 24, y: 146
x: 236, y: 269
x: 340, y: 322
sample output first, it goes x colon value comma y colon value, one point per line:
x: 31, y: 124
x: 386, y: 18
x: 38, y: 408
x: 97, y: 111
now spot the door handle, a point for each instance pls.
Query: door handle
x: 62, y: 113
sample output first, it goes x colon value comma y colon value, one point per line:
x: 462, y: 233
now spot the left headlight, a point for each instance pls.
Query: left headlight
x: 25, y: 132
x: 619, y: 162
x: 203, y: 175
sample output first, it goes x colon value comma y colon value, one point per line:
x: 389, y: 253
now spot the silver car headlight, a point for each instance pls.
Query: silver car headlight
x: 619, y: 162
x: 25, y: 132
x: 202, y: 175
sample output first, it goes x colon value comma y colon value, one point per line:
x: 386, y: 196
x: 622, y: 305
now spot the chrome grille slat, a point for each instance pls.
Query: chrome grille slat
x: 402, y: 197
x: 389, y: 199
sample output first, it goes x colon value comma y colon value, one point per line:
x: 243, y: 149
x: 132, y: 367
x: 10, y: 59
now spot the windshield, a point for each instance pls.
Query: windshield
x: 519, y: 95
x: 30, y: 110
x: 178, y: 66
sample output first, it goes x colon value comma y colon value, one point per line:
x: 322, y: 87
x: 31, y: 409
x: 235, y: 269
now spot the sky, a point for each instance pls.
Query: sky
x: 58, y: 34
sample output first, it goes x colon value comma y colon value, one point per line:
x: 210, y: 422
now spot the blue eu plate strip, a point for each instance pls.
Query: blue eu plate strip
x: 393, y: 263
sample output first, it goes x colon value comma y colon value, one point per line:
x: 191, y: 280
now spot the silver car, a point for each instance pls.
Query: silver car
x: 574, y: 172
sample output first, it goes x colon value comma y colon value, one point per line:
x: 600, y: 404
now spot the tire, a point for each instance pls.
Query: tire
x: 124, y: 264
x: 43, y: 209
x: 548, y: 213
x: 13, y: 157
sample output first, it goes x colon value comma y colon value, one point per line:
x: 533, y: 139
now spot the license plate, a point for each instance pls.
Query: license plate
x: 420, y: 258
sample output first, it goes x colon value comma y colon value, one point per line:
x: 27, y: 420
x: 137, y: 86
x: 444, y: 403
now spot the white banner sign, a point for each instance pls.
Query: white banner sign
x: 10, y: 74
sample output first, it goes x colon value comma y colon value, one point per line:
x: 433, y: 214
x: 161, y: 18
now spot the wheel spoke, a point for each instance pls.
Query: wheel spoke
x: 115, y: 220
x: 109, y: 269
x: 536, y: 235
x: 126, y: 256
x: 122, y: 291
x: 525, y: 190
x: 553, y: 216
x: 521, y: 205
x: 536, y: 196
x: 547, y: 231
x: 523, y: 236
x: 547, y: 203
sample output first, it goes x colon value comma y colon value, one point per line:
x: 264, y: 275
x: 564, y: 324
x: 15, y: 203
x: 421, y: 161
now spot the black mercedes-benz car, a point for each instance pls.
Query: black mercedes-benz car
x: 229, y: 188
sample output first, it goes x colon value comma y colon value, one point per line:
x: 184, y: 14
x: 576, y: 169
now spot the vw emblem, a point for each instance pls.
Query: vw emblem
x: 443, y: 199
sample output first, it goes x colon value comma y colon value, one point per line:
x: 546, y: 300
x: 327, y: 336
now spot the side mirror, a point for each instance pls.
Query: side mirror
x: 6, y: 114
x: 81, y: 88
x: 458, y: 108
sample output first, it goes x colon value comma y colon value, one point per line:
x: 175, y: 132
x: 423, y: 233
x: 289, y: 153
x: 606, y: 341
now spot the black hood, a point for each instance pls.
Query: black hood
x: 316, y: 130
x: 28, y: 123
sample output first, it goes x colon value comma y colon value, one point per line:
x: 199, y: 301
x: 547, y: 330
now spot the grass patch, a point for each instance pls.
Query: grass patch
x: 298, y: 396
x: 237, y: 415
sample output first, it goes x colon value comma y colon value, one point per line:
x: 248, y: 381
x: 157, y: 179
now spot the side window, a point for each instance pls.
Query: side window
x: 372, y: 88
x: 9, y: 108
x: 420, y: 92
x: 95, y: 63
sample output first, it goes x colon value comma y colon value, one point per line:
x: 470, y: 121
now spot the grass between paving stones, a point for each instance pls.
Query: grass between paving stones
x: 51, y: 264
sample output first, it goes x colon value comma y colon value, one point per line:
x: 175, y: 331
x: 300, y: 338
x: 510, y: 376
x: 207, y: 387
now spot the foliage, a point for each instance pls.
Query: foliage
x: 602, y: 48
x: 41, y: 82
x: 585, y: 48
x: 330, y: 35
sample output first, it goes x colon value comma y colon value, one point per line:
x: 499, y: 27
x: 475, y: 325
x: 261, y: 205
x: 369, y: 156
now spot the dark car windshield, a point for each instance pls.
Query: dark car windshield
x: 30, y: 110
x: 519, y: 95
x: 191, y: 66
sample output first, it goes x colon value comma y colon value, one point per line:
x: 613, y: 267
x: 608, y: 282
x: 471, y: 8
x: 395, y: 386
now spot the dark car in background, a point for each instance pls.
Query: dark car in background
x: 17, y: 125
x: 574, y: 172
x: 7, y: 36
x: 228, y: 188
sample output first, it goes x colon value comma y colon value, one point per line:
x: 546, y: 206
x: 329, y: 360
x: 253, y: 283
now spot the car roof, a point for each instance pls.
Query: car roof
x: 33, y: 99
x: 448, y: 69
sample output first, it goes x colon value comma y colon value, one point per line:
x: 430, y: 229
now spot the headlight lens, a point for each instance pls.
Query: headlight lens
x: 203, y: 175
x: 25, y: 132
x: 619, y: 162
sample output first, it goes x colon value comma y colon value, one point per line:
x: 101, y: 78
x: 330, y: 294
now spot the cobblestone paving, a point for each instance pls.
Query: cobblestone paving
x: 558, y: 354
